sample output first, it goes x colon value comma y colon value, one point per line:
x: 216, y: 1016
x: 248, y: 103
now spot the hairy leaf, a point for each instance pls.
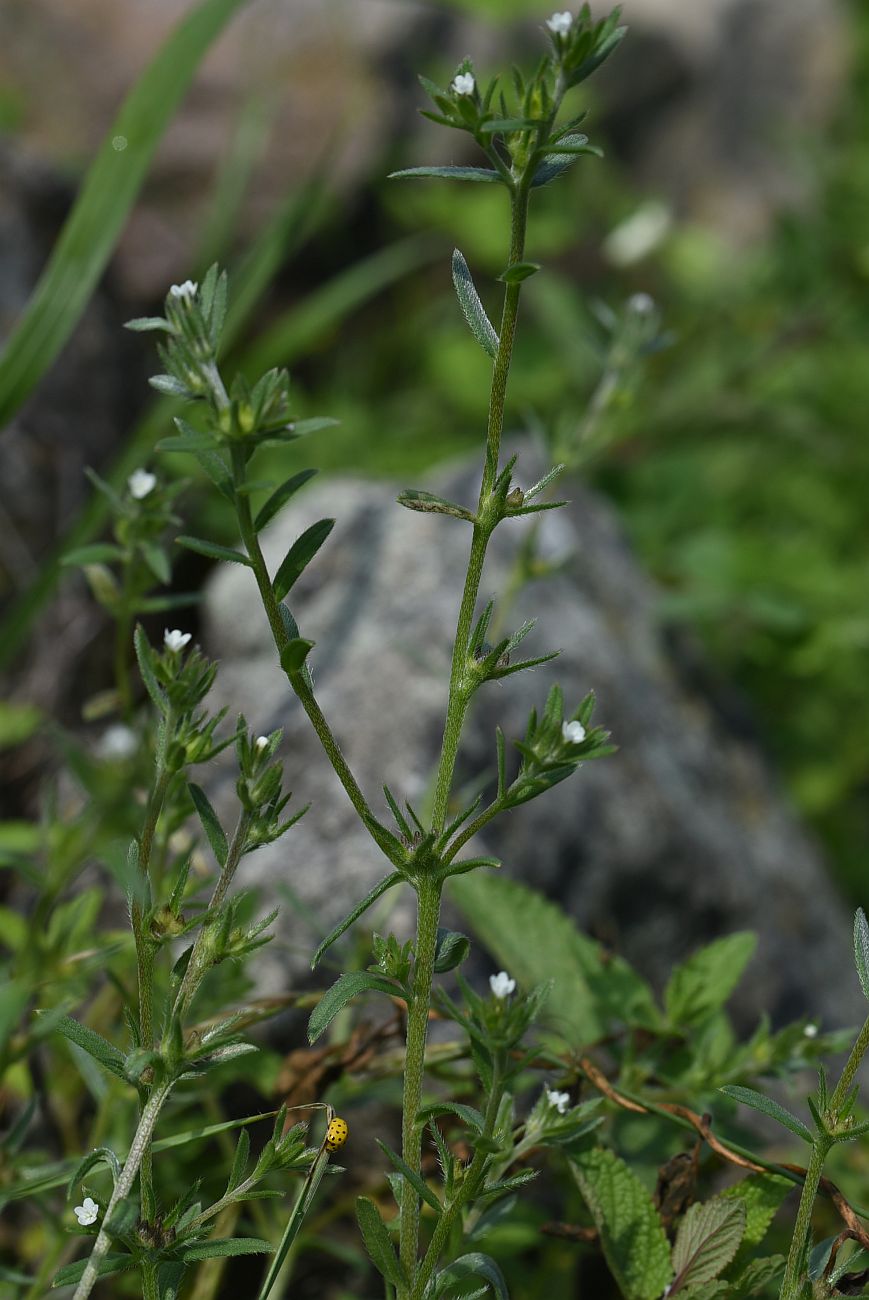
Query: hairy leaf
x: 345, y: 988
x: 377, y: 1242
x: 472, y: 308
x: 767, y: 1106
x: 631, y: 1234
x: 708, y: 1239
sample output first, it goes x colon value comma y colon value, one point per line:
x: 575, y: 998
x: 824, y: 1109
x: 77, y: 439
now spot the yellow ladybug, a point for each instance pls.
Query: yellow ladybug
x: 336, y: 1134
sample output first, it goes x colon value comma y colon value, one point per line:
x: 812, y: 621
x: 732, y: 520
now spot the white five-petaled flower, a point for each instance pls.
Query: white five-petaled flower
x: 561, y: 23
x: 560, y: 1100
x: 87, y: 1213
x: 810, y: 1031
x: 501, y: 984
x: 175, y: 640
x: 261, y: 742
x: 573, y: 732
x: 140, y: 483
x: 464, y: 83
x: 188, y: 290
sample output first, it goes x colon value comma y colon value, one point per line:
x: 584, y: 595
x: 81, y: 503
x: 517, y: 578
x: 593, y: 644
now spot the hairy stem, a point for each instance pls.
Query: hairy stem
x: 858, y: 1051
x: 793, y: 1280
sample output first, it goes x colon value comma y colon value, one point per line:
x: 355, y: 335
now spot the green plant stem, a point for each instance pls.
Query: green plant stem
x: 793, y: 1281
x: 858, y: 1051
x: 470, y: 1186
x: 298, y: 680
x: 124, y: 1185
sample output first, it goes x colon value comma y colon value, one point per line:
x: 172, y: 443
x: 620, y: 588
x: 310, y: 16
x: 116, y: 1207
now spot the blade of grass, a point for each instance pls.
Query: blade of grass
x: 109, y: 190
x: 297, y: 1218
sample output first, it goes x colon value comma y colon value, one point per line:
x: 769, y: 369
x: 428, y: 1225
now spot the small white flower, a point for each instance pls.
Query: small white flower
x: 560, y: 23
x: 560, y: 1100
x: 573, y: 732
x: 141, y: 483
x: 501, y: 984
x: 464, y: 83
x: 175, y: 640
x: 117, y: 741
x: 639, y: 234
x: 87, y: 1213
x: 810, y: 1031
x: 641, y: 304
x: 188, y: 290
x: 260, y: 742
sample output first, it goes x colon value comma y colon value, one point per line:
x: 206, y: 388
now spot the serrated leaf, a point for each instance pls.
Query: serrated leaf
x: 447, y: 173
x: 93, y: 1043
x: 299, y: 556
x: 472, y: 308
x: 379, y: 889
x: 345, y: 988
x: 281, y: 496
x: 707, y: 1240
x: 767, y: 1106
x: 377, y: 1242
x: 861, y: 949
x: 428, y: 503
x: 213, y: 550
x: 702, y: 984
x: 210, y: 822
x: 220, y: 1248
x: 631, y: 1235
x: 518, y: 272
x: 762, y: 1194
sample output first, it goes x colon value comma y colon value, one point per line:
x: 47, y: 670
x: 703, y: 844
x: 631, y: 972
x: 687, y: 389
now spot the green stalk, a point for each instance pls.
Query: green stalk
x: 792, y: 1281
x: 858, y: 1051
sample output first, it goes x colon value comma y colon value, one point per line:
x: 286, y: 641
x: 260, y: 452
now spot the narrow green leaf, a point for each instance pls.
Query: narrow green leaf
x: 220, y: 1248
x: 518, y: 272
x: 144, y: 324
x: 468, y: 1114
x: 98, y: 553
x: 767, y: 1106
x: 571, y: 146
x: 633, y: 1240
x: 294, y: 1224
x: 448, y: 174
x: 299, y: 556
x: 707, y: 1241
x: 281, y: 496
x: 428, y: 503
x: 452, y: 949
x: 861, y: 949
x: 71, y: 1273
x: 92, y: 1043
x: 377, y: 1242
x: 99, y: 1156
x: 475, y: 1264
x: 212, y: 550
x: 472, y: 308
x: 210, y: 823
x: 144, y: 655
x: 239, y: 1161
x: 113, y: 181
x: 345, y: 988
x: 421, y: 1188
x: 379, y: 889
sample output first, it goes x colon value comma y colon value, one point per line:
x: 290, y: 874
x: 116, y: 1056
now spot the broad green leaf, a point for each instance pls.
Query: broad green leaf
x: 633, y: 1240
x: 210, y: 823
x: 379, y: 889
x: 281, y: 496
x: 219, y: 1248
x: 294, y: 654
x: 92, y: 1043
x: 452, y: 949
x: 345, y: 988
x: 472, y: 310
x: 213, y: 550
x: 536, y: 941
x: 377, y: 1242
x: 861, y: 949
x: 767, y: 1106
x: 474, y: 1264
x: 707, y: 1240
x: 299, y: 556
x: 448, y: 174
x: 702, y: 984
x: 762, y: 1194
x: 113, y: 181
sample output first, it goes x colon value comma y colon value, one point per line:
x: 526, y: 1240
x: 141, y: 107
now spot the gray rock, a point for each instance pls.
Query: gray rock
x: 680, y: 837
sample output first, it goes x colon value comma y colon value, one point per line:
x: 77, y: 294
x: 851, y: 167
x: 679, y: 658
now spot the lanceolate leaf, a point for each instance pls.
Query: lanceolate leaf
x: 377, y: 1242
x: 448, y: 174
x: 210, y: 823
x: 861, y: 949
x: 631, y: 1234
x: 300, y: 554
x: 767, y: 1106
x: 213, y: 550
x: 281, y: 496
x: 103, y: 204
x: 420, y: 1186
x: 428, y: 503
x: 387, y: 883
x: 475, y: 1264
x: 92, y: 1043
x: 219, y: 1248
x: 345, y: 988
x: 708, y: 1239
x: 474, y: 312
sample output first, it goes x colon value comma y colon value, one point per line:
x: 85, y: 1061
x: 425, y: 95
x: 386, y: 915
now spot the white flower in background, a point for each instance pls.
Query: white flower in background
x: 810, y: 1031
x: 87, y: 1213
x: 573, y: 732
x: 464, y: 83
x: 501, y: 984
x: 187, y: 291
x: 117, y: 741
x: 639, y: 234
x: 559, y: 1100
x: 141, y: 483
x: 175, y: 640
x: 561, y: 23
x: 641, y: 304
x: 261, y: 742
